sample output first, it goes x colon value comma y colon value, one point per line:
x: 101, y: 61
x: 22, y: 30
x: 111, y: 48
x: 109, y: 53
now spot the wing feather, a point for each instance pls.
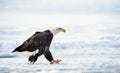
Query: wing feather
x: 36, y: 41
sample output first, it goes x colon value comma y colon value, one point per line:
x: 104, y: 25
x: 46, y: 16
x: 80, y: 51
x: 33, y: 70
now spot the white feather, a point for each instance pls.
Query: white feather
x: 26, y: 53
x: 54, y: 31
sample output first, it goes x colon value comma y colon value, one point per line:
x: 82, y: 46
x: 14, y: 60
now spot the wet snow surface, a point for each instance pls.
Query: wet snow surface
x: 93, y: 47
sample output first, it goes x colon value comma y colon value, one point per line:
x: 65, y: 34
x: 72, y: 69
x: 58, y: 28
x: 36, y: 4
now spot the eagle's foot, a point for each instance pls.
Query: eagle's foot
x: 55, y: 61
x: 31, y: 59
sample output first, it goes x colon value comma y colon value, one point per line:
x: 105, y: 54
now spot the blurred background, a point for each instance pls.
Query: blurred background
x: 93, y: 30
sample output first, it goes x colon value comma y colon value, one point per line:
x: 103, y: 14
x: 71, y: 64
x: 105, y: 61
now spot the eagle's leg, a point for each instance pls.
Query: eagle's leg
x: 49, y: 57
x: 33, y: 58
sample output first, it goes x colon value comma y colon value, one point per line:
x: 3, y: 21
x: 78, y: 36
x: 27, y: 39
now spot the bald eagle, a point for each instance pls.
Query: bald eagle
x: 40, y: 42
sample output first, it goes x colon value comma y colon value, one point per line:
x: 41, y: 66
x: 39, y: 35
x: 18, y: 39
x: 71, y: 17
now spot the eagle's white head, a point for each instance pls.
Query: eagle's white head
x: 57, y: 30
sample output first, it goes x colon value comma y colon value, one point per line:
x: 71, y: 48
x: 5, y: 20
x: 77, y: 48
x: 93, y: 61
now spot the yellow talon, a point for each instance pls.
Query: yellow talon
x: 32, y: 62
x: 55, y: 61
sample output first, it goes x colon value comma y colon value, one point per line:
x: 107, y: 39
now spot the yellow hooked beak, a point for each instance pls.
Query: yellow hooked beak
x: 63, y: 30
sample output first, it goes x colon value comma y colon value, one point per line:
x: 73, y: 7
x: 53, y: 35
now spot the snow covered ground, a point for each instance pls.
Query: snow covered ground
x: 90, y: 45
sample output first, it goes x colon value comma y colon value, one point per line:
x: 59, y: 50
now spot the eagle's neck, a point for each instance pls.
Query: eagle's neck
x: 54, y: 31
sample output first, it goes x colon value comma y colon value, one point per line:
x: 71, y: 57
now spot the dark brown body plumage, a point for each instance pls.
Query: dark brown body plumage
x: 39, y: 41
